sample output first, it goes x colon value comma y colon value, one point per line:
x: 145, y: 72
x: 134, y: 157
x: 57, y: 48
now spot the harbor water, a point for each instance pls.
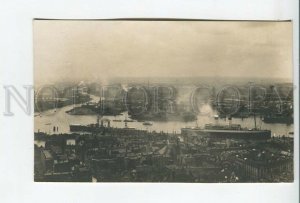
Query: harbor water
x: 45, y: 121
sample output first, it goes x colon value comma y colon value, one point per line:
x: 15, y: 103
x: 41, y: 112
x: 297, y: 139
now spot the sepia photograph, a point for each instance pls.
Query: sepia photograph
x: 163, y: 100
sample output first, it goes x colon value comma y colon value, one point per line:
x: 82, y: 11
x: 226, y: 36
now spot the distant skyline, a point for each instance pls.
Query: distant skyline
x: 66, y: 50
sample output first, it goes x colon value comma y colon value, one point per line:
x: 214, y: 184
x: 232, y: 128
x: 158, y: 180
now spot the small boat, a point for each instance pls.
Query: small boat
x: 126, y: 120
x: 147, y: 123
x: 35, y: 115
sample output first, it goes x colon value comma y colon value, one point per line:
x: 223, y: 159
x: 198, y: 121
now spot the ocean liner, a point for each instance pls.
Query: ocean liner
x: 234, y: 131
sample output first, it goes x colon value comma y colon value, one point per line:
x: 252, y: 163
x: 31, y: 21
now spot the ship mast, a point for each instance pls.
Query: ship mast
x: 98, y: 120
x: 250, y: 104
x: 98, y: 114
x: 254, y: 120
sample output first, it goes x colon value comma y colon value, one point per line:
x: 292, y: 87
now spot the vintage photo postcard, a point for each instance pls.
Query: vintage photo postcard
x: 163, y: 101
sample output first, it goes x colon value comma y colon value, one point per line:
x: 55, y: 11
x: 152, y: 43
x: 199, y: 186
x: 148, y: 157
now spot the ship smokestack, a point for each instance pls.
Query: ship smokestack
x: 216, y: 119
x: 230, y: 120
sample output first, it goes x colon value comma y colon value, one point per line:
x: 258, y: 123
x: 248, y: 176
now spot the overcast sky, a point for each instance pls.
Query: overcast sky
x: 101, y: 49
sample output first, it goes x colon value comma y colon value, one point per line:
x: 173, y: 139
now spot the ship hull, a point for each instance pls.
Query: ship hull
x: 84, y: 128
x: 235, y: 134
x: 284, y: 120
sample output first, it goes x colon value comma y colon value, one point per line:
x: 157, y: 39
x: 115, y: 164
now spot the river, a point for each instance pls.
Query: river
x: 45, y: 121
